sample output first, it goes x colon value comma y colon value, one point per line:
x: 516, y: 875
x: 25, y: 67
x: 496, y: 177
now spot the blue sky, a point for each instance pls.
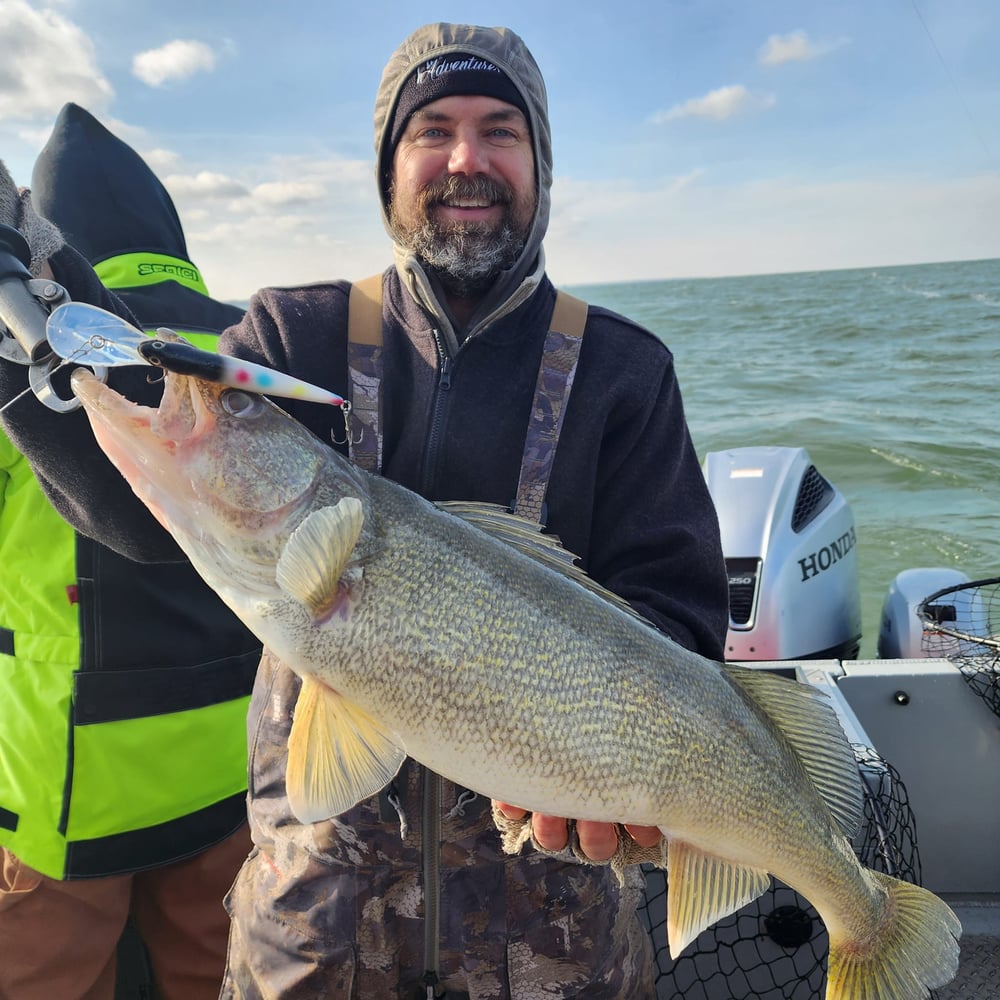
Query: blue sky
x: 692, y: 137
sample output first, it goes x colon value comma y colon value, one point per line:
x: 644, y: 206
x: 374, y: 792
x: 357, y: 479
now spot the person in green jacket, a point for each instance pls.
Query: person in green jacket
x: 123, y: 686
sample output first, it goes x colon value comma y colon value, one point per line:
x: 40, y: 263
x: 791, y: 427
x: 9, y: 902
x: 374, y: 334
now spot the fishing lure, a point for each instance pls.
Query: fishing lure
x: 85, y: 334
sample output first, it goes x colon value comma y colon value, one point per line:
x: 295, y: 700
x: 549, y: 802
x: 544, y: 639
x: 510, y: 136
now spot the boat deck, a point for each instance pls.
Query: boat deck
x: 979, y: 972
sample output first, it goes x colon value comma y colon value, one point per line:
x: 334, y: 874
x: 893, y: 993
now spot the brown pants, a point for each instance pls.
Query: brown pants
x: 60, y: 939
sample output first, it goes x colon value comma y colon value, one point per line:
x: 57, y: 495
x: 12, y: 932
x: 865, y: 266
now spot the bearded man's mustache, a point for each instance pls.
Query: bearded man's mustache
x: 459, y: 189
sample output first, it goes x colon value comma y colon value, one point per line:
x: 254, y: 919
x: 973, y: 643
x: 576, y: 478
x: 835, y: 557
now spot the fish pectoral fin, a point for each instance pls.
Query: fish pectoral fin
x: 702, y: 889
x: 338, y: 754
x: 316, y: 555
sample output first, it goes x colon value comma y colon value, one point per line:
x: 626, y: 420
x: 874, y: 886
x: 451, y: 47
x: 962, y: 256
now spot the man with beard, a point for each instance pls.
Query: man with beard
x: 470, y: 378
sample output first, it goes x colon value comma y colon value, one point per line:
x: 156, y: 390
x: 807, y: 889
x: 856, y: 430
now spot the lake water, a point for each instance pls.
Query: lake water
x: 888, y: 377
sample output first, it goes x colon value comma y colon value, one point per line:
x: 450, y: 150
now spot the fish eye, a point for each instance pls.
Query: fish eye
x: 240, y: 403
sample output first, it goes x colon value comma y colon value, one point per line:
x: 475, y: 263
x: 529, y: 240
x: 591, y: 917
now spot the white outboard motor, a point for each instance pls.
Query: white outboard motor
x: 789, y: 543
x: 901, y: 632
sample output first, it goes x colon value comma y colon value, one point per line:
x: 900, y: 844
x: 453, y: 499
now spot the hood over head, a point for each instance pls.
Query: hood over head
x: 519, y: 82
x: 101, y: 193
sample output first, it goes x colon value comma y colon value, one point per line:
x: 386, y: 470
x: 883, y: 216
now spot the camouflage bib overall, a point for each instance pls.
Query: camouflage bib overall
x: 409, y: 895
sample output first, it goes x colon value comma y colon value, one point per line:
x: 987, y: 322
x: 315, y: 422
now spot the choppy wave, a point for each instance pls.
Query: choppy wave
x: 887, y: 377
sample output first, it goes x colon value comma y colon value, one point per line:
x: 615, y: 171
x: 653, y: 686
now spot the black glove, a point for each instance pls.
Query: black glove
x: 43, y: 238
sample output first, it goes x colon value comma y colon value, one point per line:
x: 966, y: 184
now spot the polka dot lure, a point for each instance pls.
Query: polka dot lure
x: 87, y: 335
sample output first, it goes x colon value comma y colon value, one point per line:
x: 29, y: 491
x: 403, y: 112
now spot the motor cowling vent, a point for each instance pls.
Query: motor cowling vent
x: 744, y: 575
x: 814, y: 494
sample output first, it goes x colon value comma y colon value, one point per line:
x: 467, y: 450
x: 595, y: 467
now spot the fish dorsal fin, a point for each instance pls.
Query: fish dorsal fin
x: 338, y: 754
x: 527, y: 537
x: 316, y: 555
x: 702, y: 889
x: 807, y: 720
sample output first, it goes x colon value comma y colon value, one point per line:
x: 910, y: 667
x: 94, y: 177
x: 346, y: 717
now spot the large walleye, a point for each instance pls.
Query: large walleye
x: 418, y: 633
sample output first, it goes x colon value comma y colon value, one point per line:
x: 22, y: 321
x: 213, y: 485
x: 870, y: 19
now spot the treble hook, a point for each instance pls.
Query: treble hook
x: 349, y: 439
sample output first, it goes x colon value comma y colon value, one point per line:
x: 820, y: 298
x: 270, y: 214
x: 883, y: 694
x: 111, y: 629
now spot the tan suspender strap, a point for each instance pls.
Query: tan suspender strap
x: 548, y: 409
x: 364, y: 366
x: 569, y: 315
x: 364, y: 311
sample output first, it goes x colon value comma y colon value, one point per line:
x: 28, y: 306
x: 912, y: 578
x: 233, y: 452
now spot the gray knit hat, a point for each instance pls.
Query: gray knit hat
x: 446, y: 76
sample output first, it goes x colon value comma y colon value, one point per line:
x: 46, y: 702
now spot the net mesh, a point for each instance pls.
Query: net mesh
x: 962, y: 624
x: 776, y: 947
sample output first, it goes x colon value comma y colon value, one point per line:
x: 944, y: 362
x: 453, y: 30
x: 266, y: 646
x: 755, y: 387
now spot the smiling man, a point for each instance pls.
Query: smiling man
x: 462, y: 186
x: 471, y: 378
x: 467, y: 409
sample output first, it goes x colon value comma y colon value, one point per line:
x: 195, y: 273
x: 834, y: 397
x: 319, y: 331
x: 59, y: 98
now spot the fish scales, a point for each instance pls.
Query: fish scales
x: 570, y: 694
x: 417, y: 633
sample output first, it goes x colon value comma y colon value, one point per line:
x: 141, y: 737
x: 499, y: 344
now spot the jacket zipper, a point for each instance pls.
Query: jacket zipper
x: 433, y: 446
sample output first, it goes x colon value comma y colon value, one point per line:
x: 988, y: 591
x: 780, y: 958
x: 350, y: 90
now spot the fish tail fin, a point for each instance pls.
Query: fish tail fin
x: 913, y: 951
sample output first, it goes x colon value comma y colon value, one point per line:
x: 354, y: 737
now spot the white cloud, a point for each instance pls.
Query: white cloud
x: 332, y: 172
x: 794, y: 47
x: 286, y: 221
x: 205, y: 185
x: 719, y: 104
x: 161, y: 160
x: 35, y: 137
x: 176, y: 60
x: 288, y: 193
x: 242, y: 253
x: 47, y: 61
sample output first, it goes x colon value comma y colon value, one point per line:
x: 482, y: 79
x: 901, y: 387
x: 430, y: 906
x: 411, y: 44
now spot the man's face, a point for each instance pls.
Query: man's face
x: 462, y: 194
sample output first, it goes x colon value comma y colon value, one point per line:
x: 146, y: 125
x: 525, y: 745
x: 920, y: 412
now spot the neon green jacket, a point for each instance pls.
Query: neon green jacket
x: 123, y: 686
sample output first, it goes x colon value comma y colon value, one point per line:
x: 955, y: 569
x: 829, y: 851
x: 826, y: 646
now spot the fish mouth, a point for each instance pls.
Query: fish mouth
x: 95, y: 395
x: 193, y: 460
x: 143, y: 442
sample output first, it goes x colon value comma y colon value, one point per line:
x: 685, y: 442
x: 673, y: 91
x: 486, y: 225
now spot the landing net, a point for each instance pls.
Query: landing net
x: 776, y: 947
x: 962, y: 624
